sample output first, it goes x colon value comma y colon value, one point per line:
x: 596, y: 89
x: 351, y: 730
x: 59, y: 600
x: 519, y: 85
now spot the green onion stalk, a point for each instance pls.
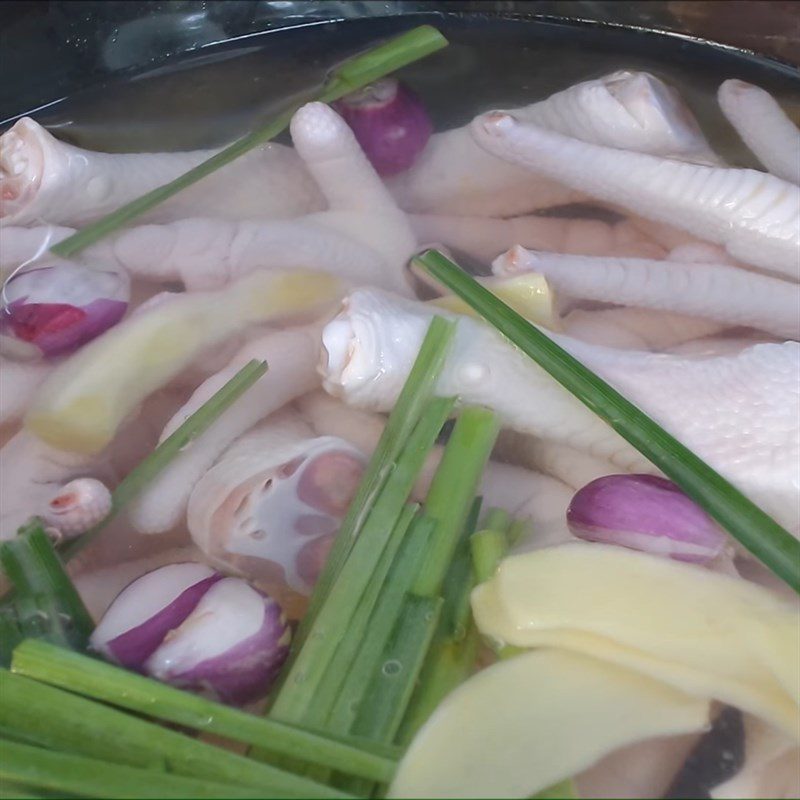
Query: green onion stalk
x: 298, y: 695
x: 114, y: 686
x: 44, y: 602
x: 452, y: 506
x: 63, y: 721
x: 68, y: 774
x: 416, y: 393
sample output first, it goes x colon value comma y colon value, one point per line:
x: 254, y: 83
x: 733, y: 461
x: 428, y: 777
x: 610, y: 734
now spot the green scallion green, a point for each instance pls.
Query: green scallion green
x: 381, y: 623
x: 44, y: 601
x: 565, y: 790
x: 63, y: 773
x: 347, y: 653
x: 488, y: 548
x: 453, y: 490
x: 297, y: 695
x: 389, y: 692
x: 497, y: 519
x: 452, y: 653
x: 458, y: 583
x: 110, y: 684
x: 83, y: 727
x: 416, y: 392
x: 448, y: 665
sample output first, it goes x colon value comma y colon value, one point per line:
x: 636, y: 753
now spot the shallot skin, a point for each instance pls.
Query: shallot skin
x: 187, y: 625
x: 647, y: 513
x: 60, y: 307
x: 390, y: 123
x: 231, y: 647
x: 147, y: 609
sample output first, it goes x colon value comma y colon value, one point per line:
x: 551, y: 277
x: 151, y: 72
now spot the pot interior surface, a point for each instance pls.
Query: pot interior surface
x: 215, y: 94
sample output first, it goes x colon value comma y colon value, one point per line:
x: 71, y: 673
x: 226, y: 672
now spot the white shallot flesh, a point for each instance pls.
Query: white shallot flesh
x: 59, y: 307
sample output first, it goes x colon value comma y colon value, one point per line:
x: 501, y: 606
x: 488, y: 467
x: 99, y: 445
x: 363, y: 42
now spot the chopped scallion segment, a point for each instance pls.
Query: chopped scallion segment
x: 44, y: 601
x: 448, y: 665
x: 109, y: 684
x: 11, y: 790
x: 497, y: 519
x: 452, y: 654
x: 453, y: 490
x: 738, y: 515
x: 299, y: 691
x: 565, y: 790
x: 38, y: 768
x: 458, y: 583
x: 488, y: 548
x: 84, y: 727
x: 10, y: 632
x: 389, y: 692
x: 348, y: 655
x: 381, y: 623
x: 363, y: 69
x: 416, y: 392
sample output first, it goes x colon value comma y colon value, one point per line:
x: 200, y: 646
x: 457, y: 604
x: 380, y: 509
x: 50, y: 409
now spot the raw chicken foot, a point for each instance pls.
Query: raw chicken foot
x: 711, y: 291
x: 272, y: 504
x: 624, y: 109
x: 738, y: 413
x: 754, y: 215
x: 363, y: 237
x: 43, y: 179
x: 485, y: 238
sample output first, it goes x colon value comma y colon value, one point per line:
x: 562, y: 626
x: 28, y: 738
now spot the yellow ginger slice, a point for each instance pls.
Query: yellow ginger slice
x: 529, y: 294
x: 526, y: 723
x: 82, y: 404
x: 709, y: 635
